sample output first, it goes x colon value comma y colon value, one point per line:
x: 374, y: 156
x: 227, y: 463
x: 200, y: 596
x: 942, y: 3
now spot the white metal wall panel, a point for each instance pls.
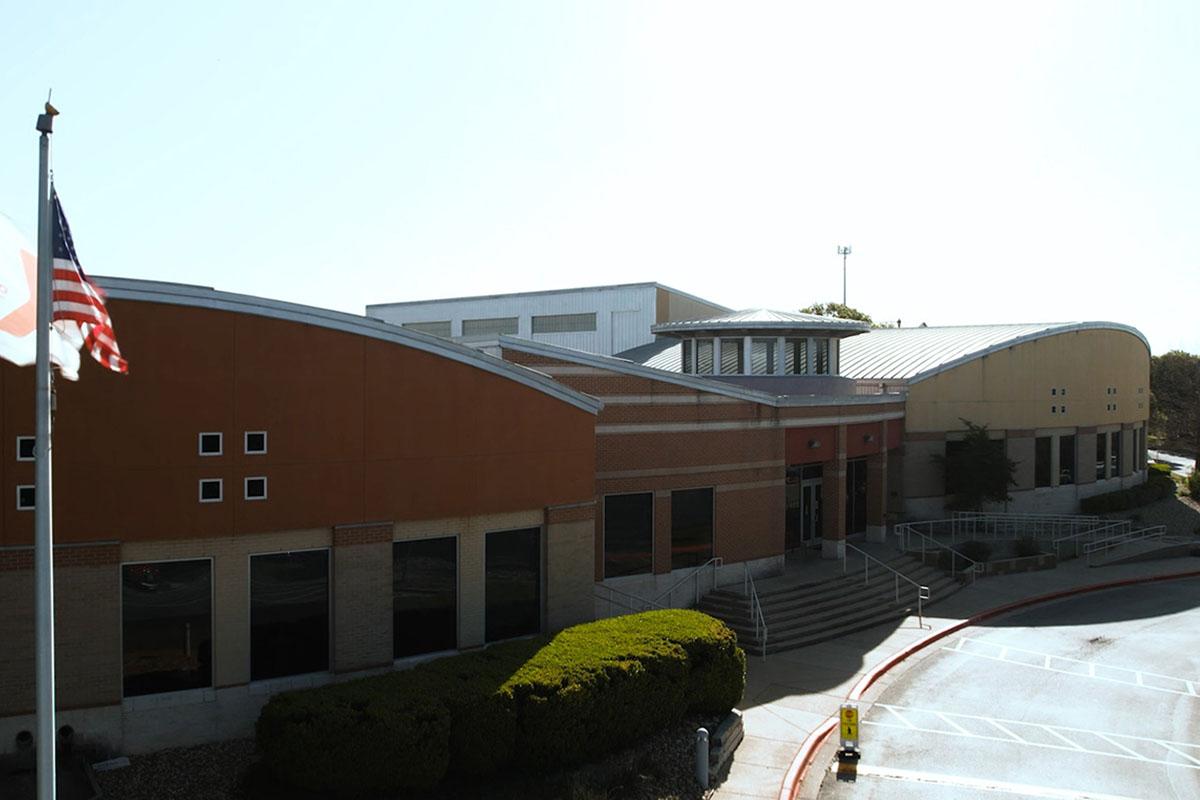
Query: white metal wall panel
x: 624, y: 315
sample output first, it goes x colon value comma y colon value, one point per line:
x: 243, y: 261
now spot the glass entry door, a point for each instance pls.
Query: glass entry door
x: 810, y: 510
x: 803, y: 505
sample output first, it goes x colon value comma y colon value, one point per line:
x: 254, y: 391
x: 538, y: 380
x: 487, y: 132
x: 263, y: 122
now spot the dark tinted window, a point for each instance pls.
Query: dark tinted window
x: 1066, y: 460
x: 628, y: 534
x: 289, y: 614
x: 691, y: 527
x: 513, y: 584
x: 1041, y: 461
x: 166, y: 626
x: 424, y: 596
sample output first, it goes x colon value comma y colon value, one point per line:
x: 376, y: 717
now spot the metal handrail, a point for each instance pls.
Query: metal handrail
x: 714, y: 562
x: 990, y: 524
x: 756, y: 613
x: 633, y: 603
x: 904, y: 530
x: 1140, y: 535
x: 922, y: 591
x: 1092, y: 533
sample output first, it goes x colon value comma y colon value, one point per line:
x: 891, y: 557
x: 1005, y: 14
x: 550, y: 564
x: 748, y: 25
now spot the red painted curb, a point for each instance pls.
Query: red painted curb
x: 807, y: 753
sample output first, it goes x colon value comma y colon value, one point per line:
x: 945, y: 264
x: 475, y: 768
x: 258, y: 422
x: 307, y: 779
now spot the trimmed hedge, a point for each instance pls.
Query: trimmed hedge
x: 1158, y: 485
x: 540, y: 703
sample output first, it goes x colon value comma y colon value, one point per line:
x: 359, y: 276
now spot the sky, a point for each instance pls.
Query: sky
x: 986, y: 163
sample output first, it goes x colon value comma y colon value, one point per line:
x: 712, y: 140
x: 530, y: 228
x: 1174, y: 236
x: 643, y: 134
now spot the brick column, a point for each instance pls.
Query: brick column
x: 570, y: 565
x: 362, y: 596
x: 833, y: 500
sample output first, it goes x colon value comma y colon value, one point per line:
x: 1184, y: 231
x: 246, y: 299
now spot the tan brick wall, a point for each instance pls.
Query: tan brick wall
x: 87, y: 629
x: 362, y: 597
x: 570, y: 567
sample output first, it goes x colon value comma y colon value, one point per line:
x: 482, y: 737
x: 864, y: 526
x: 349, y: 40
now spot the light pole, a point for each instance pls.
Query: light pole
x: 843, y: 251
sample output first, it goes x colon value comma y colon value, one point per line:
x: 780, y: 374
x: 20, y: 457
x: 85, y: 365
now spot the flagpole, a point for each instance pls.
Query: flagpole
x: 43, y: 550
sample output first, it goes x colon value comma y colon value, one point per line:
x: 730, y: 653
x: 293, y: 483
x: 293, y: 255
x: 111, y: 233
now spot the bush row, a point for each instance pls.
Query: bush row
x: 1158, y: 485
x: 540, y: 703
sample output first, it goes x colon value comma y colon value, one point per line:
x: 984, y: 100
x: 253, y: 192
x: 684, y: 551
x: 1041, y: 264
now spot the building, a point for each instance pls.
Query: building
x: 596, y: 319
x: 276, y: 496
x: 279, y: 496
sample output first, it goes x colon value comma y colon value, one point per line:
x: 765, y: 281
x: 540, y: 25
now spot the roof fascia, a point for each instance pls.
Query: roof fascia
x: 470, y: 298
x: 206, y: 297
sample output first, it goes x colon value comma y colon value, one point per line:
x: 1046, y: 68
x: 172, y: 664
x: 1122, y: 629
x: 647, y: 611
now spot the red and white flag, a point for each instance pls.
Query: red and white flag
x: 79, y: 313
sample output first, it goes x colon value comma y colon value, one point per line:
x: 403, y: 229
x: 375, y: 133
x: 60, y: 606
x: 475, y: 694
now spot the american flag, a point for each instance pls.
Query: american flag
x: 79, y: 311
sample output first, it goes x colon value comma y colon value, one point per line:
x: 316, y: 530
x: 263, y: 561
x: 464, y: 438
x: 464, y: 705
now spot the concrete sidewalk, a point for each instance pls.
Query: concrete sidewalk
x: 792, y: 694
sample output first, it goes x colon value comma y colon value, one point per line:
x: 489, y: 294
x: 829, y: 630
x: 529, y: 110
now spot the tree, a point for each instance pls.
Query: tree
x: 832, y: 309
x: 976, y: 469
x: 1175, y: 400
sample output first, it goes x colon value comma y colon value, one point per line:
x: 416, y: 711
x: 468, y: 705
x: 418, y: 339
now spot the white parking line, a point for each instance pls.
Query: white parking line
x: 1082, y: 669
x: 1060, y: 732
x: 1022, y: 789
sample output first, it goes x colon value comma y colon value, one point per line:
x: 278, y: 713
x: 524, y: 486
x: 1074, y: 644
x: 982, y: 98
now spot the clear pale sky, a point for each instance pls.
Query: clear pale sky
x: 1001, y: 162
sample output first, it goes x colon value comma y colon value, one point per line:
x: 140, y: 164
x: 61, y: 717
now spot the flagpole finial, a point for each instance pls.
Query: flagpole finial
x: 45, y: 122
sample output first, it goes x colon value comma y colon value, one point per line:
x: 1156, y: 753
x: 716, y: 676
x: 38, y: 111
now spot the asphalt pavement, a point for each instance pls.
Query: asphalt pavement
x: 792, y: 699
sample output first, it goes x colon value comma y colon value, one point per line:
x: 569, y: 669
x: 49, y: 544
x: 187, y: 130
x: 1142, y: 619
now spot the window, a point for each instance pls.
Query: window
x: 440, y: 328
x: 25, y: 448
x: 289, y: 614
x: 489, y: 327
x: 628, y: 534
x: 512, y: 583
x: 704, y: 356
x: 1101, y: 455
x: 822, y: 357
x: 1053, y: 409
x: 564, y: 323
x: 256, y: 442
x: 762, y: 356
x: 688, y: 348
x: 731, y: 357
x: 1053, y: 392
x: 210, y: 490
x: 256, y: 488
x: 166, y: 626
x: 1114, y: 454
x: 424, y: 596
x: 1041, y: 461
x: 691, y: 527
x: 210, y: 444
x: 25, y: 498
x: 795, y: 356
x: 1066, y: 460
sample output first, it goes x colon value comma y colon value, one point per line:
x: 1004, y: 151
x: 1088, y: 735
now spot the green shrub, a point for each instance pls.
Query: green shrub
x: 976, y: 550
x: 1158, y: 485
x: 1193, y: 484
x: 1027, y: 546
x: 355, y: 738
x: 541, y: 702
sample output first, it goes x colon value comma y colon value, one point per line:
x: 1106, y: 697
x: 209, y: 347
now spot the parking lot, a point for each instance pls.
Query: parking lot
x: 1089, y: 697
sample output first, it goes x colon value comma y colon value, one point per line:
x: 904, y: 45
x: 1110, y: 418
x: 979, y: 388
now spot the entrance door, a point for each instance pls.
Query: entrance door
x: 810, y: 510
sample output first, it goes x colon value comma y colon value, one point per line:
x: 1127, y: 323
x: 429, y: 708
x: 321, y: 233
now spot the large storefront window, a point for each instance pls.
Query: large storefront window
x: 166, y: 626
x: 1114, y: 452
x: 1066, y: 460
x: 424, y: 596
x: 289, y: 613
x: 513, y: 584
x: 1041, y: 461
x: 691, y: 527
x: 856, y: 495
x: 1101, y: 456
x: 628, y: 534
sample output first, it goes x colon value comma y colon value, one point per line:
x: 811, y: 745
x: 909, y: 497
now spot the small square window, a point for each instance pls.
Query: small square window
x: 210, y: 490
x: 25, y: 498
x: 1053, y: 392
x: 1053, y: 409
x: 1063, y: 392
x: 25, y: 446
x: 256, y: 488
x: 210, y: 444
x: 1063, y: 409
x: 256, y: 442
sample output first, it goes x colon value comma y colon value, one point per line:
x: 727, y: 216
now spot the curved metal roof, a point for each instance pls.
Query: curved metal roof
x: 764, y: 319
x: 206, y: 297
x: 914, y: 354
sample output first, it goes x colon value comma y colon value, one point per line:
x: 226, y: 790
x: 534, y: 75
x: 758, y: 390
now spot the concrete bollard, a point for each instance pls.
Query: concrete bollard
x: 702, y: 757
